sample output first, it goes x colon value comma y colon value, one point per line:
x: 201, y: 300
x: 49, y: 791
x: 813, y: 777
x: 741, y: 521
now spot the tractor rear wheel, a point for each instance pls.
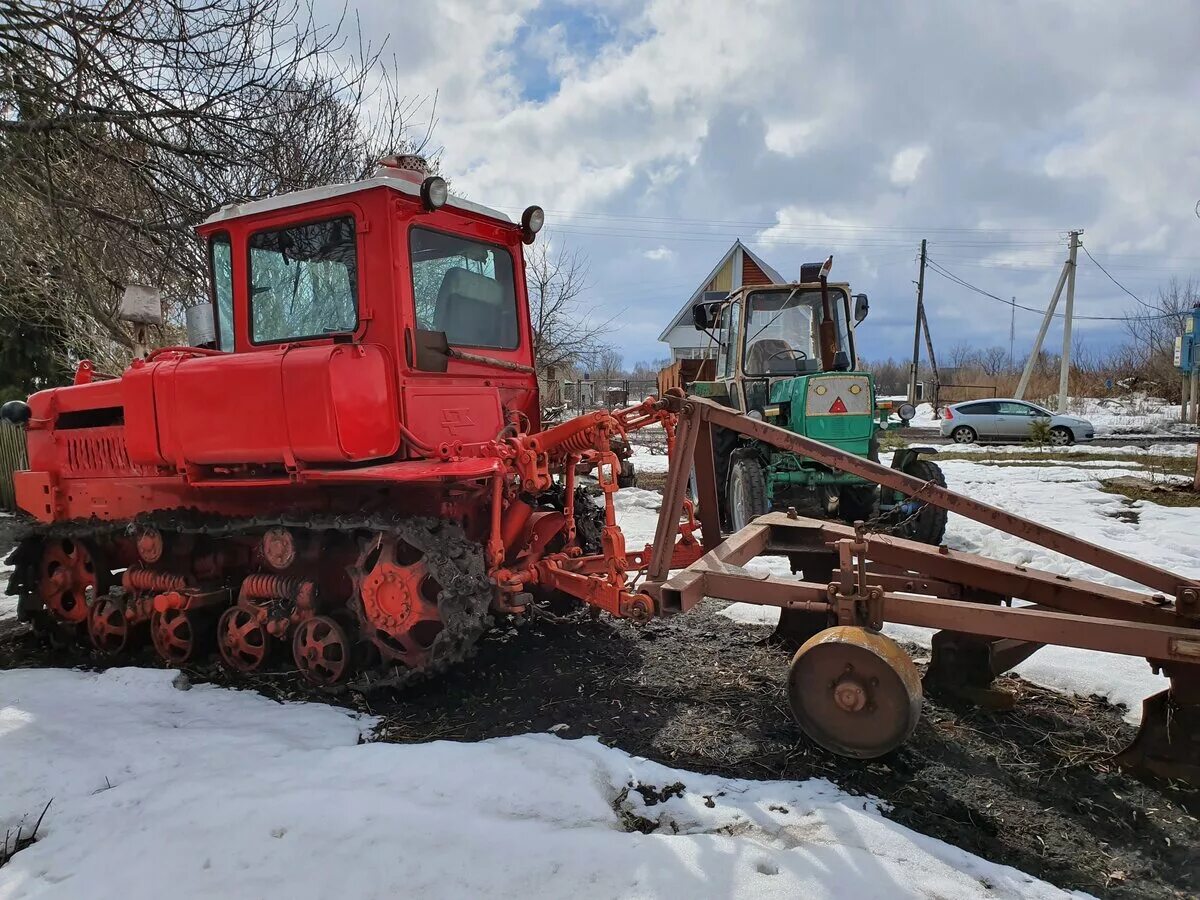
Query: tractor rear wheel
x: 928, y: 525
x: 747, y: 492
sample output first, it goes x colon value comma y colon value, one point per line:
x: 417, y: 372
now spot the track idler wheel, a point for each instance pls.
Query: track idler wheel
x: 68, y: 575
x: 177, y: 635
x: 111, y: 633
x: 322, y: 650
x: 242, y: 640
x: 854, y: 692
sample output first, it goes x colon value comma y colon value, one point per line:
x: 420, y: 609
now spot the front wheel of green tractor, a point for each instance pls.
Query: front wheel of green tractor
x: 927, y: 523
x: 747, y: 491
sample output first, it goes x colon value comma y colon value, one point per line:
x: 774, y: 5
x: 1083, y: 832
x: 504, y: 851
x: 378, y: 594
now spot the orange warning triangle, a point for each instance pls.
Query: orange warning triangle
x: 838, y: 406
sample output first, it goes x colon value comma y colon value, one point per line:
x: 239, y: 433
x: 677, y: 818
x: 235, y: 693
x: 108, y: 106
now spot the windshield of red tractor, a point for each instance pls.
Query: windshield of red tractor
x: 465, y: 288
x: 781, y: 330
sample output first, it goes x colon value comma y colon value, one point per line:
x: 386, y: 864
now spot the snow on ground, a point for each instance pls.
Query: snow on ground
x: 8, y: 605
x: 644, y: 460
x: 1132, y: 414
x: 218, y: 793
x: 1071, y: 500
x: 1181, y: 450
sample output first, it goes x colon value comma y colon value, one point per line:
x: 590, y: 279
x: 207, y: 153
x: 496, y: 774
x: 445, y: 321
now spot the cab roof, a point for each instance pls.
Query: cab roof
x: 390, y: 177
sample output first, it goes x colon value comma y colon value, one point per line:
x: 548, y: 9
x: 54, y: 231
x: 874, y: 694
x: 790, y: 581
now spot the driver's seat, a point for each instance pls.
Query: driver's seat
x: 758, y: 357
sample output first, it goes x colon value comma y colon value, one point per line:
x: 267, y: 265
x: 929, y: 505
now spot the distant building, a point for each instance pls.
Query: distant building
x: 738, y: 267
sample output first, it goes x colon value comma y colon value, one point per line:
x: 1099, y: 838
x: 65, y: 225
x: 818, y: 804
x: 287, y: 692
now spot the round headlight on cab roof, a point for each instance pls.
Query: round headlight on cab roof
x: 532, y: 221
x: 434, y: 192
x: 907, y: 412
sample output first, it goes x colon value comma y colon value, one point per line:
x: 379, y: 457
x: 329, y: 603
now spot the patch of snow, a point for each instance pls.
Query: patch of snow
x: 8, y: 604
x: 1133, y: 414
x: 645, y: 460
x: 1173, y: 449
x: 218, y: 793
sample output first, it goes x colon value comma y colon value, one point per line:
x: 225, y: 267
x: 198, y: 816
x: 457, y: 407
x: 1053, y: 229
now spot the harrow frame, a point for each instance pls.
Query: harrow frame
x: 878, y: 578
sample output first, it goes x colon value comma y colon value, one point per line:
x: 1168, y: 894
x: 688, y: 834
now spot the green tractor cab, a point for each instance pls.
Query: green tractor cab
x: 786, y: 355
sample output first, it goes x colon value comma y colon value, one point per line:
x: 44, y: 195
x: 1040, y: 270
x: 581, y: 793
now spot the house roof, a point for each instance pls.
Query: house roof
x: 685, y: 311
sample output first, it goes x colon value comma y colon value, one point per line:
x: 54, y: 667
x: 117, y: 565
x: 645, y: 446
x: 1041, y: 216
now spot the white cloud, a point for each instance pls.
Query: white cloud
x: 659, y: 254
x: 700, y: 123
x: 906, y: 164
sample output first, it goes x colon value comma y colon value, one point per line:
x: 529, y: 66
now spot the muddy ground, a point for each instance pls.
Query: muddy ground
x: 1033, y: 788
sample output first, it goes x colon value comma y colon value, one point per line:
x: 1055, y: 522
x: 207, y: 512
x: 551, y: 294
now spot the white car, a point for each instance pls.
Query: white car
x: 1009, y: 421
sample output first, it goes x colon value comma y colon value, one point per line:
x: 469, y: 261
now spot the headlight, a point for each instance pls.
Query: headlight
x: 532, y: 221
x: 755, y: 414
x: 907, y: 412
x: 434, y: 192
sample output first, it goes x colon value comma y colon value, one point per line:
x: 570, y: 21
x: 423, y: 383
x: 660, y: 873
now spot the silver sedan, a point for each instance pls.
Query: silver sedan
x: 1009, y: 421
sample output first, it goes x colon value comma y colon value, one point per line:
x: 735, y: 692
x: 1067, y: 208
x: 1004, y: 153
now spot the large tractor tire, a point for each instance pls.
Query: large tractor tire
x: 929, y: 525
x: 747, y: 491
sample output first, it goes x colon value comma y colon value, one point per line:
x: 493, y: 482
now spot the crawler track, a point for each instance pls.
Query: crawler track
x: 454, y: 561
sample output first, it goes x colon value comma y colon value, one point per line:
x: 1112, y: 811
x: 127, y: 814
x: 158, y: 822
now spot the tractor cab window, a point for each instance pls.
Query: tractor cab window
x: 304, y: 281
x: 781, y: 331
x: 464, y: 288
x: 220, y: 263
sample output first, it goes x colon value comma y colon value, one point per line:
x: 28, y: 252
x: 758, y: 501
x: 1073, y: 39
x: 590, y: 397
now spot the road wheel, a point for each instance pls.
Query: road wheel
x: 747, y: 492
x: 854, y: 692
x: 929, y: 525
x: 1061, y: 436
x: 964, y: 434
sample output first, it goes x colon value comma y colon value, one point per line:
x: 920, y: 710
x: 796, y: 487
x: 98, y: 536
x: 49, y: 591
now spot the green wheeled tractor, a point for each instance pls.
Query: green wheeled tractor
x: 786, y: 355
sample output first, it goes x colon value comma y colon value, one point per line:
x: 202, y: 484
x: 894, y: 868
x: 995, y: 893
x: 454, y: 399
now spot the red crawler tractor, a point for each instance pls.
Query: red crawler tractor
x: 349, y: 462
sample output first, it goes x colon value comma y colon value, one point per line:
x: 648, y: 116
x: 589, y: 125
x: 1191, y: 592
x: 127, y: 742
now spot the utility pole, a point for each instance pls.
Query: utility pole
x: 1012, y: 332
x: 1046, y: 319
x: 937, y: 378
x: 916, y: 357
x: 1064, y: 369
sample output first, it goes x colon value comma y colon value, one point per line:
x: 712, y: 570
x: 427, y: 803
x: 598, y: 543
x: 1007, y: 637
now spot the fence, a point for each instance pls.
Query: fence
x: 12, y: 458
x: 600, y: 393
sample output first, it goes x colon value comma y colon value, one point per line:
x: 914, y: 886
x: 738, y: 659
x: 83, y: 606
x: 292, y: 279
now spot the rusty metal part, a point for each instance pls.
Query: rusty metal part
x: 278, y: 548
x: 177, y: 635
x: 1167, y: 744
x: 322, y: 651
x: 70, y: 577
x: 796, y: 626
x: 965, y: 665
x: 108, y: 627
x: 149, y: 543
x: 854, y: 692
x: 242, y: 640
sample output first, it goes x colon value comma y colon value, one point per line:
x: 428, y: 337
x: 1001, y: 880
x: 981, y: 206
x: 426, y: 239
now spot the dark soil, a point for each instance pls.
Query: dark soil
x: 1033, y: 788
x: 1162, y: 493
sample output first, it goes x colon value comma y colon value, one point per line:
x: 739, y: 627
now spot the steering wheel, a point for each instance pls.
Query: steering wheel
x: 796, y: 354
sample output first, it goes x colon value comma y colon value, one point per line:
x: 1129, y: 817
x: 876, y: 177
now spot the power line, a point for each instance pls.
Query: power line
x: 950, y: 276
x: 1114, y: 281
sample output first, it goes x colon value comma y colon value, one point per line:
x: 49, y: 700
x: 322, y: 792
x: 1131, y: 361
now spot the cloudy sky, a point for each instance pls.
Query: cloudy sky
x: 655, y: 133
